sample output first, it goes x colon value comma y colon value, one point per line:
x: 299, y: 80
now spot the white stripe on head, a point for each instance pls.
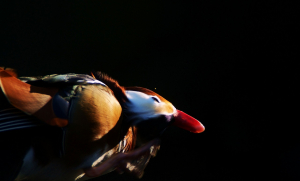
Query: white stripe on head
x: 144, y: 106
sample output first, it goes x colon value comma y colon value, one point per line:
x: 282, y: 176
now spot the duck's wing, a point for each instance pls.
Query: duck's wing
x: 32, y: 100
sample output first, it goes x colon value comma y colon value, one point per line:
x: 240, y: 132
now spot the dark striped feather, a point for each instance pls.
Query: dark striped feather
x: 13, y: 119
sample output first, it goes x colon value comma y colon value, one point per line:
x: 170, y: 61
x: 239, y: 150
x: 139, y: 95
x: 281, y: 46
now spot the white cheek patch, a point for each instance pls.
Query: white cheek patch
x: 145, y: 107
x: 140, y: 102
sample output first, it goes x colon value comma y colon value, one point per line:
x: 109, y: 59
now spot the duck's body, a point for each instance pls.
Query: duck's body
x: 93, y: 122
x: 86, y: 141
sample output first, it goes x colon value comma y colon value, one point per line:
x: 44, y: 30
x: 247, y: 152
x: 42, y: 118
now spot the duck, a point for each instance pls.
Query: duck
x: 81, y: 126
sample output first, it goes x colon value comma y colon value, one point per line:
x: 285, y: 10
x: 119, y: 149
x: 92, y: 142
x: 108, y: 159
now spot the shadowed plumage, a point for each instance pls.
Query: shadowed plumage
x: 82, y: 126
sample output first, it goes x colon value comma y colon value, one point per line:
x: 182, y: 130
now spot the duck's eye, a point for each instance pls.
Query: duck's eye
x: 156, y: 99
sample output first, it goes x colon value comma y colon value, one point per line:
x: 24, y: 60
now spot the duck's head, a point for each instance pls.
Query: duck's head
x: 152, y: 114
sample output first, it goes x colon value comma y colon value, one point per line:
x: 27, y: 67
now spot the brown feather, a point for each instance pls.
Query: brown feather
x: 11, y: 71
x: 130, y: 139
x: 118, y: 90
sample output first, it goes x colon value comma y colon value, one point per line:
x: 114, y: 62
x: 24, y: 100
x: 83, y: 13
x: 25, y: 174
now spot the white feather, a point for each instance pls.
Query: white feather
x: 144, y: 106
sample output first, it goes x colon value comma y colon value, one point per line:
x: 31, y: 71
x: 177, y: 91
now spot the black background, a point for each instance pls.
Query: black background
x: 232, y: 65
